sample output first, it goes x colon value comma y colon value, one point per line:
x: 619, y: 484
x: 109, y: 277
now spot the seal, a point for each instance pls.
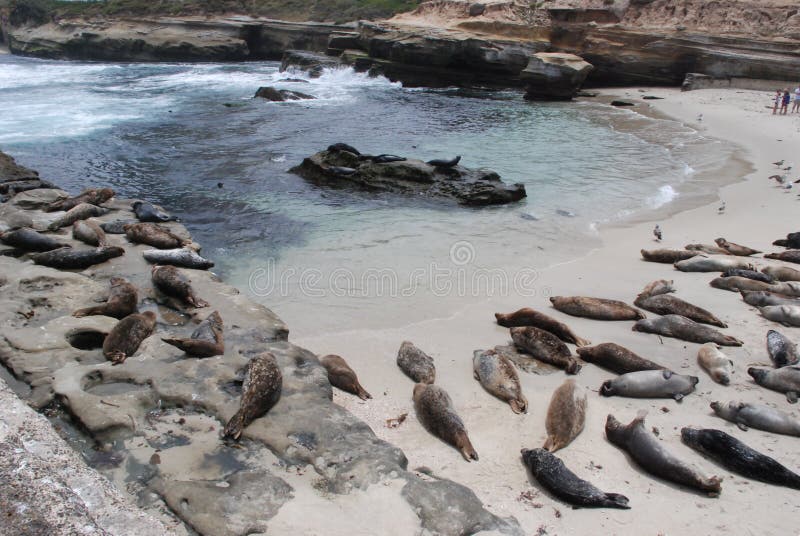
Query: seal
x: 153, y: 235
x: 29, y: 240
x: 781, y: 350
x: 566, y: 415
x: 124, y: 338
x: 444, y: 163
x: 435, y: 411
x: 680, y: 327
x: 788, y: 288
x: 148, y: 212
x: 783, y: 380
x: 498, y: 376
x: 792, y: 240
x: 261, y: 390
x: 173, y: 283
x: 415, y: 363
x: 182, y: 257
x: 82, y: 211
x: 790, y: 255
x: 343, y: 377
x: 385, y: 158
x: 531, y: 317
x: 76, y: 259
x: 717, y: 364
x: 343, y: 147
x: 758, y: 416
x: 667, y: 256
x: 342, y: 171
x: 88, y: 232
x: 735, y: 249
x: 650, y: 384
x: 595, y: 308
x: 545, y: 347
x: 737, y: 284
x: 702, y: 263
x: 616, y: 358
x: 788, y: 315
x: 123, y: 300
x: 749, y: 274
x: 666, y: 304
x: 761, y: 298
x: 656, y: 288
x: 735, y: 456
x: 554, y: 476
x: 93, y: 196
x: 116, y: 226
x: 707, y: 248
x: 650, y: 455
x: 782, y: 273
x: 205, y: 341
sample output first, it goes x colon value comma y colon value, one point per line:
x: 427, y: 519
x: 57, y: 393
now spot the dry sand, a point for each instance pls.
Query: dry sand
x: 757, y: 213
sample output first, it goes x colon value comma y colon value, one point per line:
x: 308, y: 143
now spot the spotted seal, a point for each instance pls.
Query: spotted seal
x: 206, y: 341
x: 415, y: 363
x: 498, y: 376
x: 545, y: 347
x: 435, y: 411
x: 616, y: 358
x: 261, y: 390
x: 125, y: 337
x: 173, y: 283
x: 531, y: 317
x: 680, y: 327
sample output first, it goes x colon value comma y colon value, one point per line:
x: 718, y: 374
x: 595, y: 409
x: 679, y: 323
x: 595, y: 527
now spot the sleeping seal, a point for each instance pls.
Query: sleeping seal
x: 656, y: 288
x: 782, y: 273
x: 183, y: 257
x: 566, y: 415
x: 666, y: 304
x: 76, y: 259
x: 173, y: 283
x: 735, y: 249
x: 717, y: 364
x: 554, y: 476
x: 682, y: 328
x: 616, y: 358
x: 30, y: 240
x: 650, y: 384
x: 415, y: 363
x: 153, y: 235
x: 435, y: 411
x: 651, y: 456
x: 205, y: 341
x: 790, y: 255
x: 749, y: 274
x: 531, y: 317
x: 545, y: 347
x: 261, y: 390
x: 444, y: 163
x: 762, y: 298
x: 784, y: 380
x: 734, y: 455
x: 788, y: 315
x: 82, y: 211
x: 498, y: 376
x: 707, y: 249
x: 340, y: 375
x: 122, y: 301
x: 738, y: 284
x: 758, y: 416
x: 88, y: 232
x: 702, y: 263
x: 781, y: 350
x: 93, y: 196
x: 595, y: 308
x: 667, y: 256
x: 148, y: 212
x: 125, y: 337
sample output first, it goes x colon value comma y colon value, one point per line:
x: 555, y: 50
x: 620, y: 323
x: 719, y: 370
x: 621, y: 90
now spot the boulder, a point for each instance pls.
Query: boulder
x: 280, y: 95
x: 554, y: 76
x: 477, y: 9
x: 314, y: 64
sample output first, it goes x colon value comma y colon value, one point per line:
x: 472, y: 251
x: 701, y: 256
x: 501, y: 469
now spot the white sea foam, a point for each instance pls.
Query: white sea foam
x: 666, y: 194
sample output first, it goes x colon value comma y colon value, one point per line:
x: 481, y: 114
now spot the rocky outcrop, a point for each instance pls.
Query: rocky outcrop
x: 280, y: 95
x: 314, y: 64
x: 554, y: 76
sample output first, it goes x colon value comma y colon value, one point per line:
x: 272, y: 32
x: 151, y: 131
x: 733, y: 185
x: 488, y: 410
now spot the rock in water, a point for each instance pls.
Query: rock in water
x: 280, y: 95
x: 205, y: 341
x: 261, y: 390
x: 554, y: 76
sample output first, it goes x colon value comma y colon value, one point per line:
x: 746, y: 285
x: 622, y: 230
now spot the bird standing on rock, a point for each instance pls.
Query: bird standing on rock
x: 657, y: 233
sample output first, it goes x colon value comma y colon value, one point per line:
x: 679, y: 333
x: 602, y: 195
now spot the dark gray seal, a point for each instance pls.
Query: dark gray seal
x: 123, y: 300
x: 415, y: 363
x: 29, y: 240
x: 758, y: 416
x: 148, y: 212
x: 444, y: 163
x: 341, y: 171
x: 261, y: 390
x: 762, y: 298
x: 340, y: 375
x: 781, y: 350
x: 343, y: 147
x: 183, y: 257
x: 76, y: 259
x: 531, y: 317
x: 125, y: 337
x: 682, y: 328
x: 436, y: 413
x: 650, y: 384
x: 735, y: 249
x: 545, y: 347
x: 783, y: 380
x: 737, y: 284
x: 172, y: 282
x: 206, y: 341
x: 749, y: 274
x: 616, y: 358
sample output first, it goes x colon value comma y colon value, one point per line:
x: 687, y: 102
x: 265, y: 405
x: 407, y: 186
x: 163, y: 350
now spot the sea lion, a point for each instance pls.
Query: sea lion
x: 342, y: 376
x: 781, y: 350
x: 498, y: 376
x: 439, y: 163
x: 782, y: 273
x: 596, y: 308
x: 735, y: 249
x: 667, y: 256
x: 702, y: 263
x: 261, y: 390
x: 708, y: 249
x: 717, y: 364
x: 737, y: 284
x: 758, y: 416
x: 656, y: 288
x: 116, y: 226
x: 122, y: 301
x: 790, y: 255
x: 435, y: 411
x: 680, y: 327
x: 82, y: 211
x: 415, y: 363
x: 343, y: 147
x: 545, y: 347
x: 783, y: 380
x: 792, y: 240
x: 88, y: 232
x: 650, y: 384
x: 531, y: 317
x: 666, y: 304
x: 76, y: 259
x: 616, y: 358
x: 205, y: 341
x: 735, y: 456
x: 183, y: 257
x: 172, y: 282
x: 125, y: 337
x: 93, y: 196
x: 566, y: 415
x: 651, y: 456
x: 788, y: 315
x: 749, y: 274
x: 29, y: 240
x: 762, y: 298
x: 148, y: 212
x: 554, y: 476
x: 153, y: 235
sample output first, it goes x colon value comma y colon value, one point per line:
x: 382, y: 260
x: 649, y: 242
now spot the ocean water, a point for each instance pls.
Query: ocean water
x: 169, y: 133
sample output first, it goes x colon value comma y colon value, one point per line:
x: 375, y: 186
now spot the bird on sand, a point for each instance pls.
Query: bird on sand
x: 779, y: 163
x: 657, y: 233
x: 721, y: 208
x: 780, y: 178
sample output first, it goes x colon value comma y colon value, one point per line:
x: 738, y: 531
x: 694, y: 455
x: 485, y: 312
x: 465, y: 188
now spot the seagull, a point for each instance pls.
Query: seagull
x: 779, y: 163
x: 700, y: 117
x: 721, y: 208
x: 787, y: 168
x: 657, y: 233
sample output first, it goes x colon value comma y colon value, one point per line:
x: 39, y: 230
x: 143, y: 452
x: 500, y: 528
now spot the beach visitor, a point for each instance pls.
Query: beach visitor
x: 796, y: 104
x: 785, y: 102
x: 778, y: 97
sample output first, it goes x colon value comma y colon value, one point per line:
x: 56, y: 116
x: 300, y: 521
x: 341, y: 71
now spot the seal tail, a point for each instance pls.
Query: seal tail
x: 581, y: 342
x: 362, y: 393
x: 465, y: 446
x: 606, y: 389
x: 89, y: 311
x: 616, y: 500
x: 234, y: 427
x: 713, y: 486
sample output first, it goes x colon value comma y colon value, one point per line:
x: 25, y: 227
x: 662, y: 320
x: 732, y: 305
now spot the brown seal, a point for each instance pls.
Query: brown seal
x: 782, y: 273
x: 707, y: 248
x: 173, y: 283
x: 93, y: 196
x: 565, y: 416
x: 124, y: 339
x: 717, y: 364
x: 545, y: 347
x: 122, y: 301
x: 206, y: 340
x: 667, y: 256
x: 790, y: 255
x: 76, y: 259
x: 498, y: 376
x: 436, y: 413
x: 153, y: 235
x: 735, y: 249
x: 595, y: 308
x: 88, y: 232
x: 666, y: 304
x: 261, y: 390
x: 79, y: 212
x: 737, y: 284
x: 342, y: 376
x: 531, y: 317
x: 616, y: 358
x: 655, y: 288
x: 415, y: 363
x: 680, y: 327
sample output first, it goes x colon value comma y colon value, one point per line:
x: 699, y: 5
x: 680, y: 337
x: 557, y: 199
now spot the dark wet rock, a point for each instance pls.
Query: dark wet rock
x: 554, y: 76
x: 280, y: 95
x: 312, y: 63
x: 621, y: 103
x: 11, y: 171
x: 476, y: 9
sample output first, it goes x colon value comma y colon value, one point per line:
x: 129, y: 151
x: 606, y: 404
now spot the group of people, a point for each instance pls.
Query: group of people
x: 782, y: 99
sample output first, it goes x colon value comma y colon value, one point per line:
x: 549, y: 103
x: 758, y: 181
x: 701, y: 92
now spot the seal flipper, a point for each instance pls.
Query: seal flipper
x: 742, y: 426
x: 791, y: 396
x: 616, y: 500
x: 678, y: 397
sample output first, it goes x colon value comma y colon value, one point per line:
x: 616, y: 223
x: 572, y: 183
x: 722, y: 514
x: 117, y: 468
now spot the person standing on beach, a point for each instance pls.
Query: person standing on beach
x: 778, y: 98
x: 785, y: 102
x: 796, y: 105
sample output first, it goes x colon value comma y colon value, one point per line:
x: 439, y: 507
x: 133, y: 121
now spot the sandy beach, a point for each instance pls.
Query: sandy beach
x: 757, y: 213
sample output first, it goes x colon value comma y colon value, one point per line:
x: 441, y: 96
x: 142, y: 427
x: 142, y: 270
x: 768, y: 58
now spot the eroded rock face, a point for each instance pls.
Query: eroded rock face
x: 554, y: 76
x: 310, y: 62
x: 280, y: 95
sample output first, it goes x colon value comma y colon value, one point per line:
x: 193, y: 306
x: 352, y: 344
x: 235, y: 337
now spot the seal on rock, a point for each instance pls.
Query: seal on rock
x: 783, y: 380
x: 122, y: 301
x: 650, y: 384
x: 758, y: 416
x: 666, y: 304
x: 92, y: 196
x: 650, y: 455
x: 261, y: 390
x: 545, y: 347
x: 498, y: 376
x: 340, y: 375
x: 790, y: 255
x: 76, y: 259
x: 680, y: 327
x: 788, y: 315
x: 531, y: 317
x: 29, y: 240
x: 88, y: 232
x: 707, y: 249
x: 702, y: 263
x: 762, y: 298
x: 153, y: 235
x: 616, y: 358
x: 737, y: 284
x: 717, y: 364
x: 343, y: 147
x: 82, y: 211
x: 183, y: 257
x: 667, y: 256
x: 554, y: 476
x: 148, y: 212
x: 125, y: 337
x: 781, y: 350
x: 116, y: 226
x: 444, y: 163
x: 415, y: 363
x: 435, y: 411
x: 595, y: 308
x: 782, y: 273
x: 749, y: 274
x: 173, y: 283
x: 206, y: 341
x: 566, y: 415
x: 735, y: 249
